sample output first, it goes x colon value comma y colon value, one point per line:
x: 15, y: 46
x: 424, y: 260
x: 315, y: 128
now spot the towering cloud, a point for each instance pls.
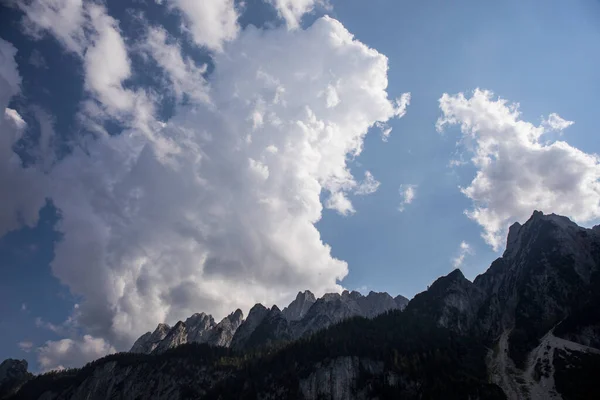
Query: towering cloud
x: 215, y: 208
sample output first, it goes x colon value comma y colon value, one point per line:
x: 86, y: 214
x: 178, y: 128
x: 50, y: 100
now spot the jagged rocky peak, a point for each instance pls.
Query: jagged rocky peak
x: 198, y: 327
x: 300, y: 306
x: 162, y: 328
x: 401, y: 302
x: 149, y: 341
x: 235, y: 318
x: 549, y: 230
x: 222, y: 334
x: 243, y: 333
x: 444, y: 284
x: 176, y: 336
x: 275, y: 309
x: 553, y: 238
x: 200, y: 319
x: 257, y: 312
x: 354, y: 295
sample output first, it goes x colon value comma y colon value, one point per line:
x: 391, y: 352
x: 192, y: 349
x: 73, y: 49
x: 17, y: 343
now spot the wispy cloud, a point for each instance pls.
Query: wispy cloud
x: 555, y: 122
x: 26, y: 346
x: 464, y: 250
x: 368, y: 186
x: 407, y: 193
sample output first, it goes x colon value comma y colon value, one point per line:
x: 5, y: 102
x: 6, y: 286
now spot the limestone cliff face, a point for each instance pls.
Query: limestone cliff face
x: 338, y: 379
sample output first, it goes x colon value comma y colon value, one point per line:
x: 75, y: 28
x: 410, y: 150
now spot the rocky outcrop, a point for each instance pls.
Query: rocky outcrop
x: 13, y: 374
x: 300, y: 306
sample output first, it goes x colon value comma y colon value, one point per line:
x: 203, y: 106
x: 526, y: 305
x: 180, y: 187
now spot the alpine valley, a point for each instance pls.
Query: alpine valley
x: 527, y: 328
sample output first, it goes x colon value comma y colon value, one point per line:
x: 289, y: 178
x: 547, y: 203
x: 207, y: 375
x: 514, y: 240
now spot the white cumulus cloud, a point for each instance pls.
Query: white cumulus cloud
x: 518, y: 172
x: 68, y: 353
x: 210, y: 22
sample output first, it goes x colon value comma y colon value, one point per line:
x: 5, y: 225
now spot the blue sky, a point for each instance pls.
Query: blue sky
x: 218, y: 234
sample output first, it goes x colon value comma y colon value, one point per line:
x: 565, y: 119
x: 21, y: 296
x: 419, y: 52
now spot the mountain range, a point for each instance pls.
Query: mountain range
x: 264, y: 326
x: 527, y: 328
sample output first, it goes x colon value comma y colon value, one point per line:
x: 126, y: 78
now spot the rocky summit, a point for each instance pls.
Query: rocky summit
x: 527, y: 328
